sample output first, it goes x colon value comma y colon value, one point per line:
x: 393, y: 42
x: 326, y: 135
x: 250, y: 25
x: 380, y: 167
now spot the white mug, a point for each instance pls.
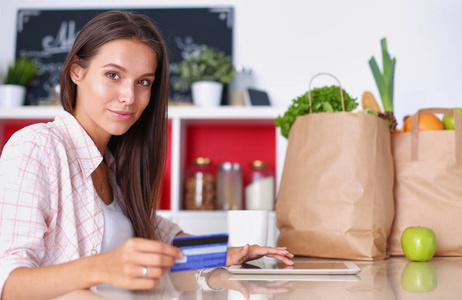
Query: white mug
x: 247, y: 227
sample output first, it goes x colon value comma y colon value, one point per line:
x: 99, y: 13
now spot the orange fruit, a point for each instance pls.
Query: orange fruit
x: 426, y: 122
x: 397, y: 131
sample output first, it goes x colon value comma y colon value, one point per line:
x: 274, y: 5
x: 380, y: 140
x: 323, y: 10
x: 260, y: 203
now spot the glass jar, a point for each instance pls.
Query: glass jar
x: 259, y: 189
x: 200, y: 192
x: 54, y: 95
x: 229, y: 186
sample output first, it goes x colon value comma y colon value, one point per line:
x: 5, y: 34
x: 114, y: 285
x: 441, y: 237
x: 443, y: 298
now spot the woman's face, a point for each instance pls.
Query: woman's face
x: 115, y: 88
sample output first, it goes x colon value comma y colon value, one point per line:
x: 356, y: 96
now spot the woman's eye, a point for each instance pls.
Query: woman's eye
x: 144, y: 82
x: 112, y: 75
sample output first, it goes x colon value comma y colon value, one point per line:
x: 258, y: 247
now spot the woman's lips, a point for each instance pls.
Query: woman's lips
x: 122, y: 115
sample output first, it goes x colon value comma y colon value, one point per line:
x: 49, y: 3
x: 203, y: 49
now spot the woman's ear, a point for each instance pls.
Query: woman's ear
x: 76, y: 71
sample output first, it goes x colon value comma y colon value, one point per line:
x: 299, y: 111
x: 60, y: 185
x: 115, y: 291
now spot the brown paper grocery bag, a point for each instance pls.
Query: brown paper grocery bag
x: 336, y: 193
x: 428, y: 184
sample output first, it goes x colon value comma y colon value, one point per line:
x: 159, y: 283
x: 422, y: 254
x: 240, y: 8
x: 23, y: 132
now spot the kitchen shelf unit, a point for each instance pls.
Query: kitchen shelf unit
x: 189, y: 128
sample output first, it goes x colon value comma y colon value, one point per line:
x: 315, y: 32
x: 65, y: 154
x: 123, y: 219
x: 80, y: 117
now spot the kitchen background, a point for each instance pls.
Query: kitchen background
x: 287, y: 42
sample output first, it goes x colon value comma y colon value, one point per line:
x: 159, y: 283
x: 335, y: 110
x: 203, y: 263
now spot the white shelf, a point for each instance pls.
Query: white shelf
x: 195, y: 222
x: 174, y: 112
x: 223, y: 112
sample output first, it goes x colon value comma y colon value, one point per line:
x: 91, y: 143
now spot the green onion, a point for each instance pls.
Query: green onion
x: 385, y: 79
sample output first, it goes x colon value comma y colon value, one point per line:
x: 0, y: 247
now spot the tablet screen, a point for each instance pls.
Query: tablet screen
x: 299, y: 267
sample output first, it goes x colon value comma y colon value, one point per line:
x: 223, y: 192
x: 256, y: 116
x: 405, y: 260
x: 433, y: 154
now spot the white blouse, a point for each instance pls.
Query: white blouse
x: 117, y: 226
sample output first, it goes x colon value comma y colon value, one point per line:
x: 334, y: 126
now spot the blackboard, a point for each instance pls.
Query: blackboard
x: 47, y: 36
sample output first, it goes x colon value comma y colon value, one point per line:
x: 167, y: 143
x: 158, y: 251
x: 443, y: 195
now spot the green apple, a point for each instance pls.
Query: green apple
x: 418, y: 243
x: 419, y: 277
x: 448, y: 120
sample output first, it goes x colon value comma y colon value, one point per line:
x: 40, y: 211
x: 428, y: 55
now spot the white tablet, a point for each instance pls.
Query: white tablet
x: 269, y: 267
x: 293, y: 277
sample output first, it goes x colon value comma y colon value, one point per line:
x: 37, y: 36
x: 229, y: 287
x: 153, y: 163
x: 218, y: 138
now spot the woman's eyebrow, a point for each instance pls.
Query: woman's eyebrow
x: 112, y: 65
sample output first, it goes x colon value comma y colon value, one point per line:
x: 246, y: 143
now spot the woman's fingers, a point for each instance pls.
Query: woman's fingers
x: 280, y: 254
x: 239, y: 286
x: 149, y: 259
x: 150, y: 253
x: 143, y: 284
x: 258, y: 250
x: 139, y: 271
x: 150, y: 246
x: 238, y: 255
x: 269, y: 288
x: 153, y: 272
x: 139, y: 263
x: 284, y: 259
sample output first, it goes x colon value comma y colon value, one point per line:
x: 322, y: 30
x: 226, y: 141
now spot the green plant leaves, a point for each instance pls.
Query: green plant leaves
x: 204, y: 64
x: 22, y: 71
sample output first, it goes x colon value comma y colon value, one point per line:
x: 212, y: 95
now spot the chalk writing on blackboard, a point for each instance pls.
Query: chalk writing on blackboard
x: 47, y: 36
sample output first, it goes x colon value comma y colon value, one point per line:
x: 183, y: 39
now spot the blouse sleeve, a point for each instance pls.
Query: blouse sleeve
x: 168, y: 230
x: 23, y: 205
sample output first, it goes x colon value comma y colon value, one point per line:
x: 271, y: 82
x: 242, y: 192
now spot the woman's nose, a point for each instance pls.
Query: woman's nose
x: 127, y: 94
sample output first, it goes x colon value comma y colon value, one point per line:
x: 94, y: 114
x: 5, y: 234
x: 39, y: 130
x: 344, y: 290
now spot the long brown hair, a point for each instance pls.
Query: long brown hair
x: 140, y: 152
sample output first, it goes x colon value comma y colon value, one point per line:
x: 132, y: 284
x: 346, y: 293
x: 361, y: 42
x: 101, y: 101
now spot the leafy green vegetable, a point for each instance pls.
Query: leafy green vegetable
x: 389, y: 117
x: 385, y: 80
x: 325, y: 99
x: 370, y: 111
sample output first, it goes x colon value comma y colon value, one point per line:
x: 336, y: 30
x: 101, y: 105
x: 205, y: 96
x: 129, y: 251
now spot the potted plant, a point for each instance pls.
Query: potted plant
x: 205, y: 70
x: 13, y: 91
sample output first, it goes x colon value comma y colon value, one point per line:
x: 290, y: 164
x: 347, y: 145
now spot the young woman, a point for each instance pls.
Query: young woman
x: 78, y: 195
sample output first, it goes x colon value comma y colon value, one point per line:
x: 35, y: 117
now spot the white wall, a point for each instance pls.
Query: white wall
x: 287, y: 42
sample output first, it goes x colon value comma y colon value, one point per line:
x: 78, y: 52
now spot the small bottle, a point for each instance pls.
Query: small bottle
x: 259, y: 190
x: 54, y: 95
x: 242, y: 80
x: 200, y: 193
x: 229, y: 186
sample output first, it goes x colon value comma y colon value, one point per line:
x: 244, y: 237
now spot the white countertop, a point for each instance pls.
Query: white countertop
x: 393, y: 278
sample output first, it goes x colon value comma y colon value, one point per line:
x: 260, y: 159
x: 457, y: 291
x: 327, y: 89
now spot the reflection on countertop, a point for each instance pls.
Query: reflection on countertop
x: 393, y: 278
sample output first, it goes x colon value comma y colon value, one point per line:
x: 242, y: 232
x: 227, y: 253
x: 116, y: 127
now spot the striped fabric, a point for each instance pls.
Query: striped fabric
x: 50, y: 212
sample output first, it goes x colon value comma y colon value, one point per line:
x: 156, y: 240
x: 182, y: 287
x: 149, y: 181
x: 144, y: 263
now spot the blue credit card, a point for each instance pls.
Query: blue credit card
x: 204, y: 251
